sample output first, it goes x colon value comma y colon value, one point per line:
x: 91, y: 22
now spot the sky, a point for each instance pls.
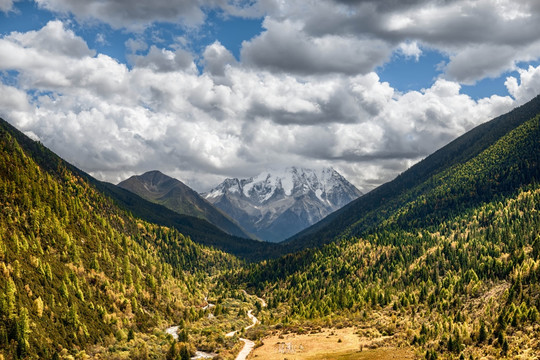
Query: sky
x: 203, y: 90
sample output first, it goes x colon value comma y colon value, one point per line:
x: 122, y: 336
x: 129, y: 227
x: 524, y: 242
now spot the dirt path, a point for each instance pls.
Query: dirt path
x: 263, y: 302
x: 246, y: 350
x: 173, y: 331
x: 254, y: 322
x: 248, y: 344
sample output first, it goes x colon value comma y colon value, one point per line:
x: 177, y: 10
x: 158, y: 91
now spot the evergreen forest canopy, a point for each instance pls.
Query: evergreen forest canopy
x: 444, y: 260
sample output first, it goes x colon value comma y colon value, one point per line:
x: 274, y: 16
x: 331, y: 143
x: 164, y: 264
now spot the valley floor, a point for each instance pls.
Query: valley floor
x: 338, y: 344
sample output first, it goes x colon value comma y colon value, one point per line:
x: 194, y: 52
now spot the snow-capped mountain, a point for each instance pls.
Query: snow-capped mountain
x: 278, y: 204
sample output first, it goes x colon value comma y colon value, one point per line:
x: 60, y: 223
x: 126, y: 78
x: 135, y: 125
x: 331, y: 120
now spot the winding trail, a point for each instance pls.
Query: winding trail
x: 246, y: 350
x: 254, y: 322
x: 263, y: 303
x: 248, y: 344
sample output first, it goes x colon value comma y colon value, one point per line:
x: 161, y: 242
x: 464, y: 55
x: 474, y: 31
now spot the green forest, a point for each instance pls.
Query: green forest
x: 447, y: 265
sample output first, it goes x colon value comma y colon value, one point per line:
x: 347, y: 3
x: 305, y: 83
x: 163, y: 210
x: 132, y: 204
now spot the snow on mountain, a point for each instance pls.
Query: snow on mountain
x: 277, y: 204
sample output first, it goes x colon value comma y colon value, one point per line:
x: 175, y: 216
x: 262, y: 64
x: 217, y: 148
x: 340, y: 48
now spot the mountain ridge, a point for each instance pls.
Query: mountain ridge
x: 200, y: 231
x: 368, y: 211
x: 276, y: 204
x: 159, y: 188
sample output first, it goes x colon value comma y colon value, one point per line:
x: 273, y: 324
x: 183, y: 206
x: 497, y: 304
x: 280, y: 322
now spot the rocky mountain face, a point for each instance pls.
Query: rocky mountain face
x: 159, y: 188
x: 276, y: 205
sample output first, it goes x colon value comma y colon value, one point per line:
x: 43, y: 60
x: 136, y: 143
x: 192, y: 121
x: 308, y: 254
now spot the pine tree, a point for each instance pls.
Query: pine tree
x: 23, y: 331
x: 505, y: 347
x: 482, y: 333
x: 172, y: 354
x: 184, y: 353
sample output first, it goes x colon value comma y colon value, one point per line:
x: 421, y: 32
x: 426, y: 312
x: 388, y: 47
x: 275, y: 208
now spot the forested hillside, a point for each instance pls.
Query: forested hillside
x: 199, y: 230
x: 461, y: 284
x: 434, y: 181
x: 80, y: 276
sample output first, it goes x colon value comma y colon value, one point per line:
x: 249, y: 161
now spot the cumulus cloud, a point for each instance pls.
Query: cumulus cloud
x: 229, y: 120
x: 217, y: 58
x: 14, y: 103
x: 285, y: 47
x: 130, y: 14
x: 482, y: 38
x: 410, y: 50
x: 142, y: 13
x: 389, y: 5
x: 53, y: 39
x: 162, y: 60
x: 528, y: 85
x: 136, y: 45
x: 493, y: 35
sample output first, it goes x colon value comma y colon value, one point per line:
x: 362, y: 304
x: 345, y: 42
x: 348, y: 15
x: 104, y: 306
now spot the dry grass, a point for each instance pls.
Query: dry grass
x: 338, y: 344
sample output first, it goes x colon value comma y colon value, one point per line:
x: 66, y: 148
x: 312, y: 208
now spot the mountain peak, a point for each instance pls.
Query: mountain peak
x: 159, y: 188
x: 292, y: 181
x: 279, y: 202
x: 154, y: 174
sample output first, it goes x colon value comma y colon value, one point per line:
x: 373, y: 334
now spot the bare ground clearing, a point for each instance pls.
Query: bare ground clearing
x: 329, y: 344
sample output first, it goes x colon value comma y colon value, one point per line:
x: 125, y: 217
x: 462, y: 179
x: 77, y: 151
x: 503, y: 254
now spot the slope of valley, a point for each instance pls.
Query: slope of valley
x: 274, y: 206
x: 175, y: 195
x: 463, y: 284
x: 467, y: 288
x: 82, y: 278
x: 199, y: 230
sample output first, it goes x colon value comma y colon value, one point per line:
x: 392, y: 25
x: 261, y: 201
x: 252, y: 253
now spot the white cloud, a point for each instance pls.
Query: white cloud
x: 136, y: 45
x: 101, y: 39
x: 217, y: 58
x: 528, y: 85
x: 139, y: 14
x: 163, y: 60
x: 114, y: 121
x: 483, y: 38
x: 54, y: 39
x: 284, y: 46
x: 131, y: 14
x: 14, y: 103
x: 410, y: 50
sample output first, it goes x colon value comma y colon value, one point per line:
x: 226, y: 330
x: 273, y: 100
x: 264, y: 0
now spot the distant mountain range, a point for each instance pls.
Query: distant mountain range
x: 276, y: 205
x: 173, y: 194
